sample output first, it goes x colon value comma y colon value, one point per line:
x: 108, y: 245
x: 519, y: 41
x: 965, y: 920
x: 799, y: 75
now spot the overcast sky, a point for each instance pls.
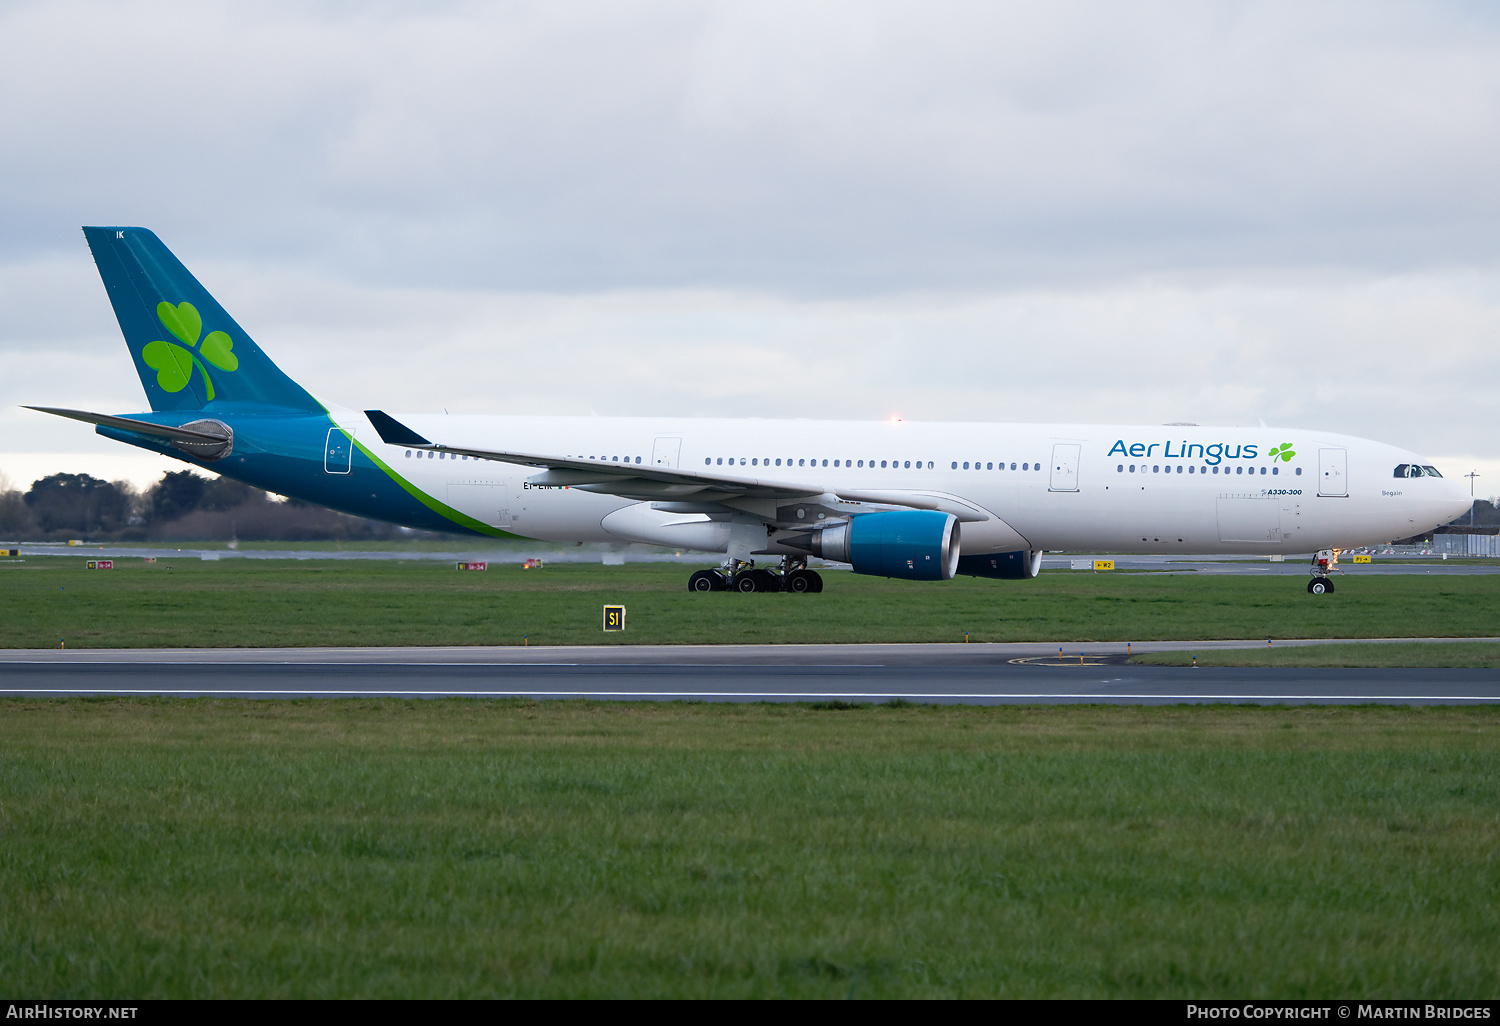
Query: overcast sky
x: 1140, y: 212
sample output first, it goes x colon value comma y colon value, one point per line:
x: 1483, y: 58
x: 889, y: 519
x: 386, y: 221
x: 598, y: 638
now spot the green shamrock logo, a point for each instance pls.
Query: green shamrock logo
x: 173, y: 363
x: 1282, y: 452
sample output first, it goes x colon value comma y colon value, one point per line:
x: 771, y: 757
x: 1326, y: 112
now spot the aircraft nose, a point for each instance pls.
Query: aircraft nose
x: 1457, y: 502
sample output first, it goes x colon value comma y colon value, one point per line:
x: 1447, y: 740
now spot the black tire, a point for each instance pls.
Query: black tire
x: 705, y: 580
x: 744, y: 582
x: 1320, y: 586
x: 803, y: 582
x: 766, y: 581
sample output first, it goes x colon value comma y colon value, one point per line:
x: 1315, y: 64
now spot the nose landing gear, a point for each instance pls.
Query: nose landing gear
x: 1324, y: 563
x: 736, y: 575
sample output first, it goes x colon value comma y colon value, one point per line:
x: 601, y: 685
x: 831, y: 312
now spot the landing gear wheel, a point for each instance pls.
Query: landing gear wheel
x: 803, y: 582
x: 1320, y: 586
x: 745, y: 581
x: 705, y: 580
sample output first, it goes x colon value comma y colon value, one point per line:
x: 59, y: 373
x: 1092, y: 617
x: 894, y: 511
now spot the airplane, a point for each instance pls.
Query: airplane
x: 915, y: 501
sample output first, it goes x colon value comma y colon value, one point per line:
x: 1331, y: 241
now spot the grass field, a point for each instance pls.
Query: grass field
x: 290, y: 603
x: 1478, y: 655
x: 454, y: 848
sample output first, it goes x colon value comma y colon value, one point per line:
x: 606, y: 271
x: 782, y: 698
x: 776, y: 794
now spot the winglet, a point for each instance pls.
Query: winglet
x: 392, y: 431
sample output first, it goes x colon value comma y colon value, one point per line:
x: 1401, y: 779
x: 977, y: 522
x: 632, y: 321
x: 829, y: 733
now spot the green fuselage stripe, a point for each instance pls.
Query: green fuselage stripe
x: 440, y: 508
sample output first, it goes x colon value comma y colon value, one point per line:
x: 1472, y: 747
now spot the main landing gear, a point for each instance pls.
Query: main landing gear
x: 793, y: 575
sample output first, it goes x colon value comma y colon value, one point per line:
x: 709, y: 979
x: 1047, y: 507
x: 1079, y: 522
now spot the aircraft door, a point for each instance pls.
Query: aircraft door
x: 1333, y: 465
x: 1064, y: 468
x: 666, y: 452
x: 338, y: 453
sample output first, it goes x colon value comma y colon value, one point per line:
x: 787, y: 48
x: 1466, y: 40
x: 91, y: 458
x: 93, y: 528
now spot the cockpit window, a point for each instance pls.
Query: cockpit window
x: 1403, y: 470
x: 1415, y: 470
x: 1432, y: 472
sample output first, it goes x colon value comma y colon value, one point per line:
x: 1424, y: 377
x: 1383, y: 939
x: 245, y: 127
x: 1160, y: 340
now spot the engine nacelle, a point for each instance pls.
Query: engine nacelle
x: 920, y: 545
x: 1014, y: 566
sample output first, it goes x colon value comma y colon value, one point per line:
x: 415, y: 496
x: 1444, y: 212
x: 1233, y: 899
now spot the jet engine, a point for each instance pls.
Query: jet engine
x: 1011, y: 566
x: 920, y: 545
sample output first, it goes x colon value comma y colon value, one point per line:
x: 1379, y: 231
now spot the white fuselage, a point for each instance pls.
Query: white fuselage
x: 1068, y: 487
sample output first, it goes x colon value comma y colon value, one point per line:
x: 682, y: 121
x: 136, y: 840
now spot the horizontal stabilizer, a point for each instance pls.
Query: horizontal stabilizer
x: 207, y: 439
x: 392, y: 431
x: 140, y: 427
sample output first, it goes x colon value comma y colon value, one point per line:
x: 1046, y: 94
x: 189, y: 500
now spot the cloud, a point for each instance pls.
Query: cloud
x: 1141, y: 212
x: 846, y: 147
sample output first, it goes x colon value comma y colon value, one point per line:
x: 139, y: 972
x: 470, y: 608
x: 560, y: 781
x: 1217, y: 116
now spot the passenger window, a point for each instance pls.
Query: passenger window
x: 908, y: 464
x: 408, y: 454
x: 953, y: 465
x: 1192, y: 470
x: 966, y: 465
x: 989, y: 466
x: 1132, y: 468
x: 882, y: 464
x: 1239, y: 470
x: 861, y: 463
x: 1155, y: 468
x: 1119, y: 468
x: 1179, y: 468
x: 1275, y: 471
x: 1262, y: 471
x: 1012, y: 466
x: 1026, y: 466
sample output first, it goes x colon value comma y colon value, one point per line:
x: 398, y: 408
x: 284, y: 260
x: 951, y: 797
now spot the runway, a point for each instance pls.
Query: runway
x: 969, y: 674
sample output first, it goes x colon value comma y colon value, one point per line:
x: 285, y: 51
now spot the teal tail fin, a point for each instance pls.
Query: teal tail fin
x: 188, y: 351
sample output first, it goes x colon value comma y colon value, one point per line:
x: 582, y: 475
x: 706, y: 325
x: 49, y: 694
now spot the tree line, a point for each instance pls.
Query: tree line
x: 182, y: 506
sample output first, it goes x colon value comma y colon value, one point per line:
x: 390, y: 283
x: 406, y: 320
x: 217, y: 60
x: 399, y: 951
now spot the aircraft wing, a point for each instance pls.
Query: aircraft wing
x: 944, y: 502
x: 631, y: 481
